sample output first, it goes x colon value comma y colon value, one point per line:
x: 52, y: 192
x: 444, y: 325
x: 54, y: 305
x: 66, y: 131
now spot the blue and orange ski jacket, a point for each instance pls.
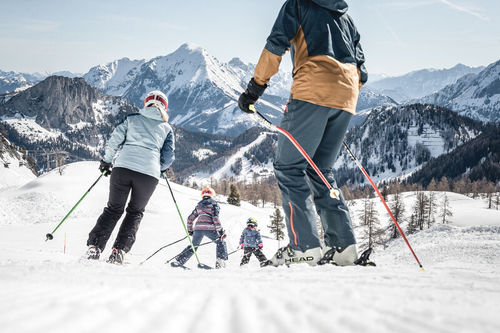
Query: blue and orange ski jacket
x: 328, y: 61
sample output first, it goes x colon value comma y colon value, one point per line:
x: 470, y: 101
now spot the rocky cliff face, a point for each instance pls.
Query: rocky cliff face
x: 60, y: 103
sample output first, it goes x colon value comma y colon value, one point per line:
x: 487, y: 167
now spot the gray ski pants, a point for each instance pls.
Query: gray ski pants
x: 320, y: 131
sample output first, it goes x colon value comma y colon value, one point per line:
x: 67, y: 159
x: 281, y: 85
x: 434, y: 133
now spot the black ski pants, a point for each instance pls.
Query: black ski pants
x: 247, y: 253
x: 123, y: 182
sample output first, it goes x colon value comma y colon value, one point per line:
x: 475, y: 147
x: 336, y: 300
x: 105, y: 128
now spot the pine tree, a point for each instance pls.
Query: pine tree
x: 445, y: 210
x: 443, y: 185
x: 412, y: 225
x: 489, y: 188
x: 431, y: 208
x: 372, y: 233
x: 385, y: 192
x: 234, y: 196
x: 276, y: 227
x: 420, y: 210
x: 397, y: 209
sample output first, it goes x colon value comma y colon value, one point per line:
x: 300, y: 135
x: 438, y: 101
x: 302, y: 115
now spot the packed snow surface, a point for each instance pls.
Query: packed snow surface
x: 48, y: 287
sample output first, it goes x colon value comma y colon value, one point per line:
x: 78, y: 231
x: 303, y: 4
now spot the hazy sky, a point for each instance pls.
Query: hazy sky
x: 398, y: 35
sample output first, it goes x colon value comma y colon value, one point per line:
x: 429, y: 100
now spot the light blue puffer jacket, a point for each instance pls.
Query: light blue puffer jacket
x: 146, y: 142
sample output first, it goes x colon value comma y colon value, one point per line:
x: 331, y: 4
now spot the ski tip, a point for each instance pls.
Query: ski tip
x: 203, y: 266
x: 49, y: 237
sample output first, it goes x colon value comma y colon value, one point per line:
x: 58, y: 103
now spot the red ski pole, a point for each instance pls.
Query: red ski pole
x: 383, y: 201
x: 334, y: 192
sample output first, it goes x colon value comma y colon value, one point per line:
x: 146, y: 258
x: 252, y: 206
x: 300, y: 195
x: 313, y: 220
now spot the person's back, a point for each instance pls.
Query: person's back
x: 326, y: 53
x: 206, y: 214
x: 146, y: 141
x: 251, y: 243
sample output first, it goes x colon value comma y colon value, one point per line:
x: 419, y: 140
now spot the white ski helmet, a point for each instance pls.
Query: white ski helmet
x: 158, y: 99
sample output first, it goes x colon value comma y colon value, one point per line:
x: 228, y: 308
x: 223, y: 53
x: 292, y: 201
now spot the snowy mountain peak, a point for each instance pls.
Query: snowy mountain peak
x: 474, y: 95
x: 420, y: 83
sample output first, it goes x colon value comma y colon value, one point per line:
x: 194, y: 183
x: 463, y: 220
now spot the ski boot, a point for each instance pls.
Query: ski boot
x: 338, y: 256
x: 220, y: 263
x: 176, y: 264
x: 116, y: 257
x: 266, y: 263
x: 364, y: 258
x: 287, y: 256
x: 93, y: 252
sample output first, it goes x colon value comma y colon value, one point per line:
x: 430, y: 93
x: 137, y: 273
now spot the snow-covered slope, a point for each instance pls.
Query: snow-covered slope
x: 475, y: 95
x: 48, y: 283
x: 242, y: 164
x: 115, y: 77
x: 14, y: 168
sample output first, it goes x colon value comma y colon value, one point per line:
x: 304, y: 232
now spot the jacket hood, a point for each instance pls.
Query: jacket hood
x: 152, y: 113
x: 339, y: 6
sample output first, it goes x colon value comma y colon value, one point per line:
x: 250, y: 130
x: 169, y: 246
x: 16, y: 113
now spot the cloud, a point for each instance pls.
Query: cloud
x: 464, y: 9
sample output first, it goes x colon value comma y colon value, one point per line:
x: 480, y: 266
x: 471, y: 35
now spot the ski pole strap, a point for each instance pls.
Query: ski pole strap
x: 50, y: 235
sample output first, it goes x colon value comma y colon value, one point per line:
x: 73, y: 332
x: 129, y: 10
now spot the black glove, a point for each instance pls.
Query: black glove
x: 250, y: 96
x: 222, y: 234
x: 105, y: 167
x: 190, y: 232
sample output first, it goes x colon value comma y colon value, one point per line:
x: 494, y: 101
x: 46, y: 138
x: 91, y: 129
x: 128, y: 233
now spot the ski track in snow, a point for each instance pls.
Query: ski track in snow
x: 46, y: 290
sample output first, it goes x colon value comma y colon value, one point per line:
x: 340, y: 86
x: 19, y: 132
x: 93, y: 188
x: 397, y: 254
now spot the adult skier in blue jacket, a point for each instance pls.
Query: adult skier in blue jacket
x: 144, y: 143
x: 251, y: 243
x: 328, y: 72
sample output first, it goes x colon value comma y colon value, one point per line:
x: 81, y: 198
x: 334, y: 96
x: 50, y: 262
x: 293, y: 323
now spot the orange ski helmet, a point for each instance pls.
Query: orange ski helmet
x: 207, y: 192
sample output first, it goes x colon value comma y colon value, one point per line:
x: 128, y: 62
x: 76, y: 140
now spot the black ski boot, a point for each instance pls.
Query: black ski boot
x: 266, y: 263
x: 116, y: 257
x: 364, y: 258
x: 93, y: 253
x: 178, y: 264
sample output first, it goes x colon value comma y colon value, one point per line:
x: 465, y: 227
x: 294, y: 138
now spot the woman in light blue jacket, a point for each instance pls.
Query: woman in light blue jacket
x: 144, y: 143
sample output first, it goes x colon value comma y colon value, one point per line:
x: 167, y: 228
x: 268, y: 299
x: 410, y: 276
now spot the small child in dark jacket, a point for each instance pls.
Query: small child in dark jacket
x: 251, y: 242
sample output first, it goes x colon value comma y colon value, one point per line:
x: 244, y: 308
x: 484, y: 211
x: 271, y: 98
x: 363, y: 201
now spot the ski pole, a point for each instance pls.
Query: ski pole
x: 161, y: 248
x: 50, y: 235
x: 202, y: 244
x: 383, y: 201
x: 334, y: 192
x: 200, y: 265
x: 233, y: 251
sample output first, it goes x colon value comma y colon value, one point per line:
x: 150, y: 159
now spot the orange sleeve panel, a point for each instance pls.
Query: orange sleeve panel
x: 267, y: 66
